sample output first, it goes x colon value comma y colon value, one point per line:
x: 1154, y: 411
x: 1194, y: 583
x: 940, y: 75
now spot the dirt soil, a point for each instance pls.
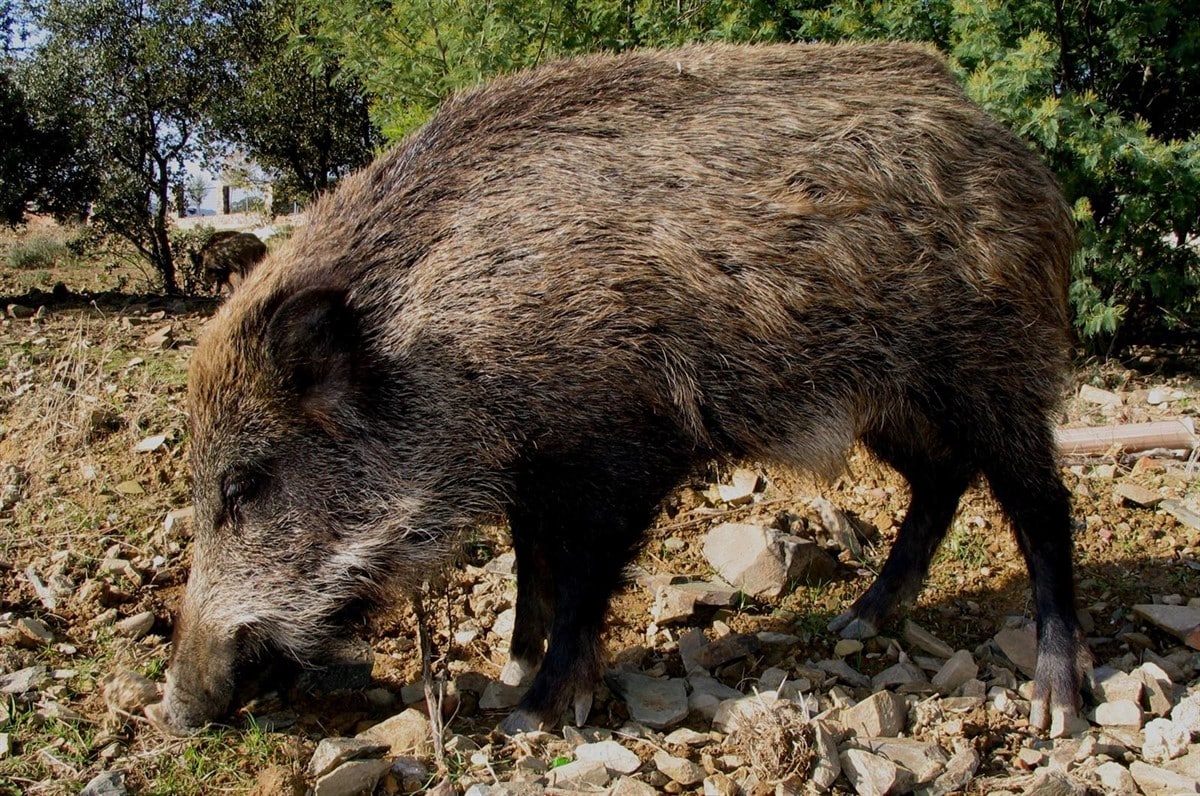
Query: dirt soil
x: 93, y: 460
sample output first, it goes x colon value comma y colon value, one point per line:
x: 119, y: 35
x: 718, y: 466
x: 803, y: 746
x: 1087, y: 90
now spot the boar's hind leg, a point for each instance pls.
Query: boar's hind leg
x: 576, y: 525
x: 937, y: 480
x: 1025, y: 481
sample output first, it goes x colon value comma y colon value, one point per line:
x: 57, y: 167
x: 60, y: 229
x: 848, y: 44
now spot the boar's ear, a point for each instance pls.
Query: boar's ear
x: 313, y: 337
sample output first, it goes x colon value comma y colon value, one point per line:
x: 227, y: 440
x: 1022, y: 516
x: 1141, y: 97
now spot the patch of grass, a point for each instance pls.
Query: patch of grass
x: 964, y: 545
x: 40, y: 250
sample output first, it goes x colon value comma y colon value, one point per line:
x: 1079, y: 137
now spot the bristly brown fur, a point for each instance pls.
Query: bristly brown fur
x: 576, y: 282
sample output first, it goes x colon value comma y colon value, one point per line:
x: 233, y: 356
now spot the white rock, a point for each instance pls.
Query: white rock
x: 880, y: 715
x: 407, y: 733
x: 1052, y: 781
x: 106, y: 783
x: 959, y: 771
x: 924, y: 759
x: 628, y: 786
x: 352, y: 778
x: 1165, y: 740
x: 1116, y: 779
x: 580, y: 772
x: 1019, y: 645
x: 960, y: 668
x: 827, y: 766
x: 1122, y: 713
x: 1186, y: 713
x: 1157, y: 687
x: 740, y: 489
x: 921, y: 638
x: 872, y: 775
x: 332, y: 752
x: 657, y: 703
x: 1112, y: 685
x: 22, y: 680
x: 135, y: 626
x: 679, y: 602
x: 1095, y: 395
x: 1155, y: 781
x: 680, y: 770
x: 763, y: 562
x: 614, y: 756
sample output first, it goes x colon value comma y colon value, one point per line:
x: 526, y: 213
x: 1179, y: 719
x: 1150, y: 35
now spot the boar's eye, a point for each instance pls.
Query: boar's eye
x: 237, y: 488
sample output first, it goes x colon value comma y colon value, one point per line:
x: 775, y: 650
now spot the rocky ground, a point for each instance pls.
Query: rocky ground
x: 724, y: 678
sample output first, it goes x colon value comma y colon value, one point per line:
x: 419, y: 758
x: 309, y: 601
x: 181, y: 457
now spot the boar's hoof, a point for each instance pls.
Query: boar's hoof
x: 520, y: 721
x: 583, y: 706
x: 160, y: 718
x: 516, y: 672
x: 852, y: 626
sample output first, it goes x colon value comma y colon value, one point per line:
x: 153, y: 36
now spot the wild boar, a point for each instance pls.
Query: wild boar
x: 577, y: 283
x: 227, y: 257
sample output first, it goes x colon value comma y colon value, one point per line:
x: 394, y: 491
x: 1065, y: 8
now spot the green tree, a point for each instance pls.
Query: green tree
x: 141, y: 74
x: 291, y: 107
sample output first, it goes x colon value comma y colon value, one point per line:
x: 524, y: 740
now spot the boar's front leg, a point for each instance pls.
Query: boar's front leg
x: 576, y: 523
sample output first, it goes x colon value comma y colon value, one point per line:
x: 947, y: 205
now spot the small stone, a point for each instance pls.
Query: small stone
x: 1019, y: 645
x: 1052, y: 781
x: 578, y: 773
x: 880, y: 715
x: 1165, y: 740
x: 1181, y: 621
x: 763, y: 562
x: 615, y: 757
x: 959, y: 771
x: 655, y: 702
x: 23, y: 680
x: 843, y: 671
x: 406, y: 733
x: 922, y: 639
x: 130, y: 488
x: 129, y: 692
x: 1155, y: 781
x: 106, y: 783
x: 680, y: 602
x: 719, y: 784
x: 35, y: 630
x: 5, y: 745
x: 352, y: 778
x: 1157, y: 688
x: 1116, y: 779
x: 900, y: 674
x: 1095, y: 395
x: 628, y: 786
x: 925, y: 760
x: 847, y: 646
x: 960, y: 668
x: 500, y: 696
x: 135, y: 626
x: 1112, y: 685
x: 1136, y: 494
x: 1182, y: 513
x: 180, y: 521
x: 680, y: 770
x: 827, y: 767
x: 1185, y: 714
x: 741, y: 488
x: 160, y: 338
x: 1121, y: 713
x: 332, y: 752
x: 725, y: 650
x: 150, y: 444
x: 685, y: 737
x: 872, y: 775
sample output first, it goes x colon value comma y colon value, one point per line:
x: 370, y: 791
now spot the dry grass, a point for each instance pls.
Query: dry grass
x: 776, y: 740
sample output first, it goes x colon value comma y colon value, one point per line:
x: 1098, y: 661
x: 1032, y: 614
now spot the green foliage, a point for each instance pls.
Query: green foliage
x: 290, y: 106
x: 136, y: 78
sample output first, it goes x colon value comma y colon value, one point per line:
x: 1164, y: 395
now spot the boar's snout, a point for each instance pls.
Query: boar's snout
x: 200, y: 679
